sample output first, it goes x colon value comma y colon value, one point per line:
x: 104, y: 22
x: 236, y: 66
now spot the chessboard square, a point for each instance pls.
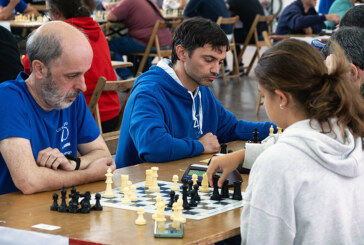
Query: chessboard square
x: 191, y: 212
x: 140, y: 205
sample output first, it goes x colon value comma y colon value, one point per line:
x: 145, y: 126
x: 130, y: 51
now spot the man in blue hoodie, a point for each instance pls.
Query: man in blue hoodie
x: 171, y: 113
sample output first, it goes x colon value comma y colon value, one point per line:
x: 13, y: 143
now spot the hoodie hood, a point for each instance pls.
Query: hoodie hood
x: 342, y: 154
x: 88, y: 25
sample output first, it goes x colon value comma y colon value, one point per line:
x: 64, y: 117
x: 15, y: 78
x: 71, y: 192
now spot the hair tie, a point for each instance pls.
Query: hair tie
x: 324, y: 77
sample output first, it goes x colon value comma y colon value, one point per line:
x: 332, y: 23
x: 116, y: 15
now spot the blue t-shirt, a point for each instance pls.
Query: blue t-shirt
x: 22, y: 117
x: 20, y: 7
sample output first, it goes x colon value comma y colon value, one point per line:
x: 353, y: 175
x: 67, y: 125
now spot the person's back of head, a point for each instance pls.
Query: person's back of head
x: 195, y: 32
x: 353, y: 17
x: 72, y: 8
x: 319, y: 91
x: 351, y: 40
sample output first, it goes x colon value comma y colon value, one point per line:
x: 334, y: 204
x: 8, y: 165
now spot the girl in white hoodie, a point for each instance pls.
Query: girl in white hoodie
x: 308, y: 187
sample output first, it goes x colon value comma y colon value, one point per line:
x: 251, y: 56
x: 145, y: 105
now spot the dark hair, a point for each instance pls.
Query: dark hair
x: 351, y: 40
x: 72, y: 8
x: 353, y: 17
x: 296, y: 67
x: 194, y: 33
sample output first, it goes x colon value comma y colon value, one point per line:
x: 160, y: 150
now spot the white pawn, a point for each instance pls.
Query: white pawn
x: 174, y: 208
x: 140, y: 220
x: 194, y: 179
x: 126, y: 198
x: 279, y: 130
x: 204, y: 184
x: 179, y: 211
x: 133, y: 196
x: 158, y: 199
x: 124, y: 182
x: 154, y: 186
x: 148, y: 178
x: 108, y: 192
x: 175, y: 186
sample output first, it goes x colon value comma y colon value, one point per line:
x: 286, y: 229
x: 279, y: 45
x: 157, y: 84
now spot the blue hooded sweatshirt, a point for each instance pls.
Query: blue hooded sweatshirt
x: 163, y: 121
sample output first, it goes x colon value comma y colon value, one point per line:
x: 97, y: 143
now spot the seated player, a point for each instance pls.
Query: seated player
x: 77, y: 13
x: 353, y: 17
x: 339, y: 7
x: 300, y: 17
x: 10, y: 63
x: 171, y: 113
x: 290, y: 197
x: 45, y: 119
x: 7, y: 8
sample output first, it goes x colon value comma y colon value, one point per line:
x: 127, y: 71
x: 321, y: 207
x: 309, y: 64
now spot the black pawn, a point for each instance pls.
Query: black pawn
x: 230, y: 151
x: 255, y: 135
x: 85, y: 203
x: 193, y: 202
x: 171, y: 200
x: 63, y: 207
x: 237, y: 191
x: 190, y: 184
x: 186, y: 206
x: 54, y: 206
x: 97, y: 205
x: 215, y: 194
x: 225, y: 189
x: 223, y: 148
x: 196, y: 187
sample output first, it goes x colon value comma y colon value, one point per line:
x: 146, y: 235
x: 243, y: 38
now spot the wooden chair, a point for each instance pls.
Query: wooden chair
x: 258, y: 43
x: 154, y: 42
x: 259, y: 99
x: 235, y: 72
x: 111, y: 138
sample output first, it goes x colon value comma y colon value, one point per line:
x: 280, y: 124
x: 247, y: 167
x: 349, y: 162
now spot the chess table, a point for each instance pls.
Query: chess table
x: 113, y: 225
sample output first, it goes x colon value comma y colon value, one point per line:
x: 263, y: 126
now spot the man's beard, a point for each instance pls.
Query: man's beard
x: 53, y: 97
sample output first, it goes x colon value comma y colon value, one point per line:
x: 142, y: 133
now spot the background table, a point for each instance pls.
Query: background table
x: 116, y: 226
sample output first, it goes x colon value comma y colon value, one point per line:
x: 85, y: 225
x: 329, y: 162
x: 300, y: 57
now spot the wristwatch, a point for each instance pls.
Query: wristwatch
x: 76, y: 159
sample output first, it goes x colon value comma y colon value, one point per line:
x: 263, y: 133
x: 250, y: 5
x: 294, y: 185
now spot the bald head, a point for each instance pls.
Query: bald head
x: 50, y: 40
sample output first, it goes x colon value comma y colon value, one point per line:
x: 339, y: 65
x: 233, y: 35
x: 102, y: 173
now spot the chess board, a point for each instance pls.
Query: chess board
x: 147, y: 199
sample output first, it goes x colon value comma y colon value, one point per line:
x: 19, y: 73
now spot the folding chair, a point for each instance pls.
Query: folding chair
x: 258, y: 43
x: 259, y: 99
x: 110, y: 138
x: 235, y: 72
x: 154, y: 43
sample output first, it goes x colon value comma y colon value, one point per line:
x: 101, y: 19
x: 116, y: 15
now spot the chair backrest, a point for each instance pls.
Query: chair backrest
x: 228, y: 21
x: 154, y: 42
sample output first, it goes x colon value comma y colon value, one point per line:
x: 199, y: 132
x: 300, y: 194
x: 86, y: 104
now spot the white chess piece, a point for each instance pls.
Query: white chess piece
x: 133, y: 196
x: 271, y: 130
x: 140, y: 220
x: 194, y: 179
x: 175, y: 186
x: 158, y: 199
x: 204, y: 184
x: 148, y: 178
x: 124, y: 182
x: 154, y: 186
x: 108, y: 192
x: 126, y: 198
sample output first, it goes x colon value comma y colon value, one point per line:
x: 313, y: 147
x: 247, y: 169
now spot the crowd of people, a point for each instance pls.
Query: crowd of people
x: 49, y: 139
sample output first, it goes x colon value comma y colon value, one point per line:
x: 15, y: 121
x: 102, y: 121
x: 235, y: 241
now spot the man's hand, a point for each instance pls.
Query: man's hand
x: 53, y: 158
x: 210, y: 143
x: 227, y: 163
x: 333, y: 17
x: 98, y: 168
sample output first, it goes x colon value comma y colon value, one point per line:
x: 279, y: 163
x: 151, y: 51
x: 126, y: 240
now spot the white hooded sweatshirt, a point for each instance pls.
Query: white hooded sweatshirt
x: 308, y: 188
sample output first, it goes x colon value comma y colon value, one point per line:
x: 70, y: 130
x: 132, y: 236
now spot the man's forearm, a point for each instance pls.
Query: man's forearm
x: 5, y: 12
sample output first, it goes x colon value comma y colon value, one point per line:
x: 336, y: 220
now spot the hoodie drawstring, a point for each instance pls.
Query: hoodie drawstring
x: 195, y: 120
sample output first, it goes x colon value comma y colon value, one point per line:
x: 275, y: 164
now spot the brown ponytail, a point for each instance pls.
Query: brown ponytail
x: 296, y: 67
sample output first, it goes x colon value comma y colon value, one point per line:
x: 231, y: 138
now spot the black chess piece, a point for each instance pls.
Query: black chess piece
x: 73, y: 204
x: 225, y: 189
x: 97, y: 205
x: 85, y: 203
x: 190, y: 184
x: 196, y: 188
x: 63, y: 207
x: 176, y: 198
x: 255, y: 135
x: 73, y: 189
x: 171, y: 200
x: 230, y: 151
x: 186, y: 206
x: 223, y: 148
x: 54, y: 206
x: 237, y: 191
x: 215, y: 195
x: 193, y: 202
